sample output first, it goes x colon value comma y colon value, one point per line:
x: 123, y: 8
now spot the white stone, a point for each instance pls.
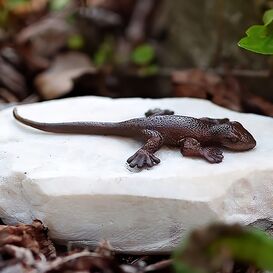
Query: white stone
x: 81, y: 188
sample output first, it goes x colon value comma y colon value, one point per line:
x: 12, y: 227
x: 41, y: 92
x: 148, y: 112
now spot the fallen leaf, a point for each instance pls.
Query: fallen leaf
x: 197, y: 83
x: 33, y: 237
x: 258, y: 105
x: 46, y: 37
x: 58, y: 79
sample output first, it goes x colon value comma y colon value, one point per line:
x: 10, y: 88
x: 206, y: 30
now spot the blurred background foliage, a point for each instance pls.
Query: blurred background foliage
x: 124, y: 48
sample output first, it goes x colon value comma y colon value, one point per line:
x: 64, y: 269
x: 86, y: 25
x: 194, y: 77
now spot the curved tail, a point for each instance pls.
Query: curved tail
x: 89, y: 128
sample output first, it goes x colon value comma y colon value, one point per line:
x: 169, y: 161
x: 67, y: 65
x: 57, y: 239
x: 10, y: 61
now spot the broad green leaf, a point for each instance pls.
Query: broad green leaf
x: 143, y: 55
x: 259, y: 39
x: 212, y: 248
x: 252, y: 247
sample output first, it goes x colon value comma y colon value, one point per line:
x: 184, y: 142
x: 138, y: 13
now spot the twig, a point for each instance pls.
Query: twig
x: 136, y: 30
x: 243, y: 73
x: 158, y: 266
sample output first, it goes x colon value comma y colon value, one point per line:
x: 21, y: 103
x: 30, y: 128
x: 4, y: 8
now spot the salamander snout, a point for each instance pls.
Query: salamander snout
x: 237, y: 137
x: 246, y: 142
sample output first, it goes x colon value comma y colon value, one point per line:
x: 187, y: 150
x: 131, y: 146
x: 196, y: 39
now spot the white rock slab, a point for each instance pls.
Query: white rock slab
x: 81, y: 188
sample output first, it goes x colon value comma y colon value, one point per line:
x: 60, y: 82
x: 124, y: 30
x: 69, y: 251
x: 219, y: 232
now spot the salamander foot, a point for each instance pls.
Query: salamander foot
x: 213, y: 154
x: 143, y: 158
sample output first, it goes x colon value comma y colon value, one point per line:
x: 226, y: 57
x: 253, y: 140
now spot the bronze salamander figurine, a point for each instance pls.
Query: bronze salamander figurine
x: 198, y: 137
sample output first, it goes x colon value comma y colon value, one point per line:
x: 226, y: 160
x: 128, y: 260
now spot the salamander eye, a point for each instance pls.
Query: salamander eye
x: 233, y: 138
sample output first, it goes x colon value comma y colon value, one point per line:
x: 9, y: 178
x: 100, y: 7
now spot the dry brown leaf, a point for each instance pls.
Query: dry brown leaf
x: 224, y: 91
x: 84, y: 262
x: 33, y: 237
x: 258, y: 105
x: 46, y: 37
x: 58, y: 79
x: 194, y: 83
x: 200, y: 84
x: 105, y: 249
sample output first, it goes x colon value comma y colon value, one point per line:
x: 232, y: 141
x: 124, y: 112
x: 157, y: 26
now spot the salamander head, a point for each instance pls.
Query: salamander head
x: 234, y: 136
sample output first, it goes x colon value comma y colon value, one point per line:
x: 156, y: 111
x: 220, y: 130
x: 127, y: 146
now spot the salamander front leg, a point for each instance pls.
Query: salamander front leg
x: 145, y: 157
x: 192, y: 147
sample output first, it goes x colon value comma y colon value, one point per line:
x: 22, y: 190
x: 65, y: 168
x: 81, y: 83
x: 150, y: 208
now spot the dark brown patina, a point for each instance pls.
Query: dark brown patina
x: 203, y: 137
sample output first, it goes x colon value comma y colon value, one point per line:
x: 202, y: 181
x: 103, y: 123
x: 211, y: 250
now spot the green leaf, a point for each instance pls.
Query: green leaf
x: 268, y: 17
x: 143, y: 55
x: 75, y: 42
x: 252, y: 247
x: 259, y: 38
x: 208, y: 249
x: 58, y: 5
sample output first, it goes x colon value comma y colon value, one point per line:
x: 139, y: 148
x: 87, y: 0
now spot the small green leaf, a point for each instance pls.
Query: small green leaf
x: 75, y: 42
x: 58, y: 5
x: 143, y: 55
x: 268, y: 17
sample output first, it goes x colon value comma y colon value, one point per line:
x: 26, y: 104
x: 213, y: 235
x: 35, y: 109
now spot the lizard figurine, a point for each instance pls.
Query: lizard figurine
x: 203, y: 137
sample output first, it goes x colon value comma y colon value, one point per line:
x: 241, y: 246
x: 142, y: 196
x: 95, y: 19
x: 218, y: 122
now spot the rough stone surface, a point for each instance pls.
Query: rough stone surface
x: 81, y: 188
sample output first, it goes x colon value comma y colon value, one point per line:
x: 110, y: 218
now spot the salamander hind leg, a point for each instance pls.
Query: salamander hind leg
x: 145, y: 157
x: 191, y: 147
x: 158, y: 112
